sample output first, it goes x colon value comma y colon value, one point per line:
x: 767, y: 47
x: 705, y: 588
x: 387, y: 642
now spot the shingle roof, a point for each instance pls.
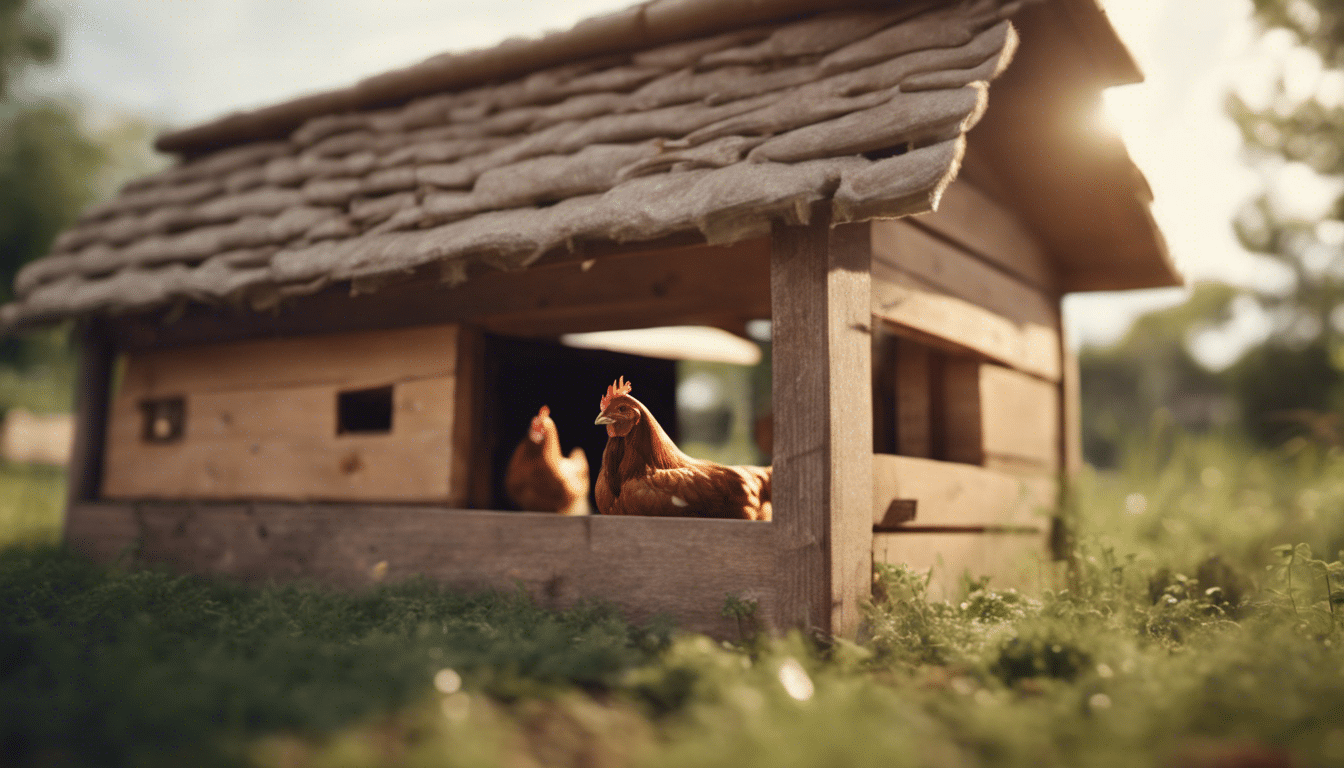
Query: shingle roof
x: 722, y: 134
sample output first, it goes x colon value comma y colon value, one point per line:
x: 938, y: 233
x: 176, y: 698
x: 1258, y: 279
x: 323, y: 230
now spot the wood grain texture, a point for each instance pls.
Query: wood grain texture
x: 981, y: 226
x: 93, y: 382
x: 672, y: 282
x: 675, y: 566
x: 1071, y: 405
x: 948, y: 493
x: 1010, y: 560
x: 469, y: 465
x: 995, y: 413
x: 898, y: 244
x: 264, y: 426
x: 822, y: 397
x: 963, y: 410
x: 935, y: 318
x: 351, y: 360
x: 914, y: 399
x: 283, y: 444
x: 1020, y: 416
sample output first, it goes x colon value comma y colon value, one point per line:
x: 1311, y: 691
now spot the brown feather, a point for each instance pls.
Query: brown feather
x: 645, y: 473
x: 540, y: 479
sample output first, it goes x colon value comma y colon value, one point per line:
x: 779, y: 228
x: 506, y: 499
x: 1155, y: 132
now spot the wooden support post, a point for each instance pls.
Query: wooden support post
x: 823, y: 478
x: 92, y: 384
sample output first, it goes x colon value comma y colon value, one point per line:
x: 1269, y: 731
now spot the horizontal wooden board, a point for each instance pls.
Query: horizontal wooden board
x: 283, y: 444
x: 900, y: 245
x: 933, y: 317
x: 948, y: 493
x: 599, y: 287
x: 980, y: 225
x: 647, y: 566
x: 1020, y: 416
x: 367, y: 358
x: 1010, y: 560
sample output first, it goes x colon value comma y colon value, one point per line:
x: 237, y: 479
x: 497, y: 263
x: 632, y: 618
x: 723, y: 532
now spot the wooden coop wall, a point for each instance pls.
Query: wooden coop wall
x: 971, y: 422
x: 838, y: 503
x: 263, y: 420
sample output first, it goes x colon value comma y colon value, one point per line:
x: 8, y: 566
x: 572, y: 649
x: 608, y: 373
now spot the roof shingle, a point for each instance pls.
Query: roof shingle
x: 724, y: 135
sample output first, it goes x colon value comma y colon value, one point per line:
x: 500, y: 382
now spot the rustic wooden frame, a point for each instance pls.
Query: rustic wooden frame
x: 810, y: 568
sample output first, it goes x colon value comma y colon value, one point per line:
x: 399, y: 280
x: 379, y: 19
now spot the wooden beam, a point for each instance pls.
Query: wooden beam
x: 365, y: 358
x: 1010, y: 560
x: 981, y: 226
x: 995, y: 413
x: 950, y: 494
x: 1071, y: 408
x: 681, y: 567
x: 822, y: 361
x: 93, y: 380
x: 633, y: 288
x: 947, y: 267
x: 914, y: 399
x: 260, y: 420
x: 935, y: 318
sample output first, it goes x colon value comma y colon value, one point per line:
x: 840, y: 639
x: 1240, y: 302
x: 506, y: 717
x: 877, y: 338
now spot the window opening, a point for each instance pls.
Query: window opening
x: 164, y: 419
x: 364, y: 411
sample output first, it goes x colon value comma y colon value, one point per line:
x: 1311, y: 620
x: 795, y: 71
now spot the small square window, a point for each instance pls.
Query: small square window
x: 164, y: 419
x: 364, y: 411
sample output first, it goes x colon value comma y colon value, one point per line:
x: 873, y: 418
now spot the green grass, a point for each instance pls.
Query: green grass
x: 32, y: 498
x: 1185, y: 633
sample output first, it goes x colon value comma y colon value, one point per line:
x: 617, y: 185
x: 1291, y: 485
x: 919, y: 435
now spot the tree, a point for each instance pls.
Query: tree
x: 1297, y: 133
x: 1150, y: 370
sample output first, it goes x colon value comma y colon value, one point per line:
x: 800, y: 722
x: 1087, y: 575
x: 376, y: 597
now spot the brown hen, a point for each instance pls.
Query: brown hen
x: 644, y: 473
x: 540, y: 479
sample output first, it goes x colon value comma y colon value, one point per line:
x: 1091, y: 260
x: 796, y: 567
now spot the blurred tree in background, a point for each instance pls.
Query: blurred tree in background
x: 56, y: 158
x: 1292, y: 383
x: 1295, y: 137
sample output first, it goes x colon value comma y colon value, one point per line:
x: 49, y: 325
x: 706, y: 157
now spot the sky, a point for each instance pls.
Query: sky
x: 180, y: 62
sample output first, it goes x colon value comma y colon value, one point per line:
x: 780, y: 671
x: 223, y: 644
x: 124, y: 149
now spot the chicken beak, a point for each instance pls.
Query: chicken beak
x: 603, y: 418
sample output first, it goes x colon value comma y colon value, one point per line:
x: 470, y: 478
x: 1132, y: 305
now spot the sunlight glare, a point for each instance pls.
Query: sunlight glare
x: 795, y: 680
x: 448, y: 681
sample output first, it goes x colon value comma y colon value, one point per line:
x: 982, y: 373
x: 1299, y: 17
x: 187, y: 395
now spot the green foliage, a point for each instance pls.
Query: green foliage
x: 32, y: 498
x: 27, y: 37
x: 146, y: 668
x: 1184, y: 632
x: 47, y: 171
x: 1150, y: 370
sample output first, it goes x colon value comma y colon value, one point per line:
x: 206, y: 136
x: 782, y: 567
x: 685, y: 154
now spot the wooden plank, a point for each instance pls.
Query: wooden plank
x: 993, y: 412
x: 947, y: 493
x: 884, y: 389
x: 822, y: 378
x: 935, y: 318
x: 1076, y: 189
x: 981, y: 226
x: 93, y: 380
x: 283, y: 444
x: 1011, y: 560
x: 680, y: 567
x: 1020, y: 416
x: 898, y: 244
x: 597, y: 288
x: 469, y: 463
x: 351, y: 360
x: 914, y: 399
x: 963, y: 409
x: 1071, y: 405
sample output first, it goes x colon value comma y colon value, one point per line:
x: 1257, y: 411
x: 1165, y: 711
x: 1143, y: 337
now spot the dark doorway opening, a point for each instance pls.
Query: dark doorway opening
x: 521, y: 375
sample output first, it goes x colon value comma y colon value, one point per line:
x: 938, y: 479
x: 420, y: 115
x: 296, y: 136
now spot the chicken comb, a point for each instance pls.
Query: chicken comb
x: 619, y: 387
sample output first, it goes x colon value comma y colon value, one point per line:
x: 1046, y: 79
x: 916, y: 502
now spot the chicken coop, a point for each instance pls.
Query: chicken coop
x: 308, y: 346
